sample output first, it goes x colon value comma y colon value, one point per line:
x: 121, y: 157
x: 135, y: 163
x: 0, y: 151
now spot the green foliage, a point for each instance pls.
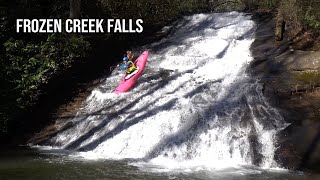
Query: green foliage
x: 29, y: 61
x: 310, y: 15
x: 312, y: 22
x: 300, y: 14
x: 27, y: 66
x: 268, y: 4
x: 262, y: 5
x: 154, y: 12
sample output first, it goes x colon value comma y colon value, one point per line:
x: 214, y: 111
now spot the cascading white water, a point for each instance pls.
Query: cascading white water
x: 194, y: 106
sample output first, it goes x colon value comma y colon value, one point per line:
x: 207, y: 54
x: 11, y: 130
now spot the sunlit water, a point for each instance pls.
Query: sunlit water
x: 194, y: 114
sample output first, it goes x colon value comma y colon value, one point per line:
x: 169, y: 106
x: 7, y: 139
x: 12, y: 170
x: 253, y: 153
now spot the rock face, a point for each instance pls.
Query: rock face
x: 298, y: 60
x: 277, y: 65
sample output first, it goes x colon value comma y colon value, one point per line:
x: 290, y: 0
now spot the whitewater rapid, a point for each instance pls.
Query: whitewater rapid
x: 194, y: 106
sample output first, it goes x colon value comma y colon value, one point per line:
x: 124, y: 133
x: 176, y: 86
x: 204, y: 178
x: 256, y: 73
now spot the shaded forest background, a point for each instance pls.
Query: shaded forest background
x: 35, y: 66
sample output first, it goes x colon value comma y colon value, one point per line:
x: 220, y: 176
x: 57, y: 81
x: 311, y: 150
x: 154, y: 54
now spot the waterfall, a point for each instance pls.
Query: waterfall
x: 194, y: 106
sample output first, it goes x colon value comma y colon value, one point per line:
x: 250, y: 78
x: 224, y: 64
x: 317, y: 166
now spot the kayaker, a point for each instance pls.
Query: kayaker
x: 128, y: 63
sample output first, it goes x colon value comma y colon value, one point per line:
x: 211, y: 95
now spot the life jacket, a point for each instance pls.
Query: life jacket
x: 132, y: 67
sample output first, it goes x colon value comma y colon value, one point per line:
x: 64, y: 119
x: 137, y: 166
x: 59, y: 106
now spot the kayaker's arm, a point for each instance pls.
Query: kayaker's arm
x: 124, y: 67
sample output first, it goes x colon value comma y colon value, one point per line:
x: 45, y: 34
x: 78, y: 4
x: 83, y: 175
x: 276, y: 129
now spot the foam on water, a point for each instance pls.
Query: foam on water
x: 193, y: 107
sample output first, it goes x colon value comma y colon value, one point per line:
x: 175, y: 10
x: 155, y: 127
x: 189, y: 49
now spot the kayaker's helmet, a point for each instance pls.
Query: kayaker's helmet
x: 125, y: 58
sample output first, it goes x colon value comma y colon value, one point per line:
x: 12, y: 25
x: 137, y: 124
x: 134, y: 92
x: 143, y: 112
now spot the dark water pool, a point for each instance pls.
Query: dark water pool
x: 26, y: 163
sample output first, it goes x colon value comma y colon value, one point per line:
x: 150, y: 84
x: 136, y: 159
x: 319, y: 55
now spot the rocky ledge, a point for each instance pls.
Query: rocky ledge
x: 291, y: 80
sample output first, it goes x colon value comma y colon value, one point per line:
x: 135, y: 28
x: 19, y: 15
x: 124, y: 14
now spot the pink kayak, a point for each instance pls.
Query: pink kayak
x: 126, y: 82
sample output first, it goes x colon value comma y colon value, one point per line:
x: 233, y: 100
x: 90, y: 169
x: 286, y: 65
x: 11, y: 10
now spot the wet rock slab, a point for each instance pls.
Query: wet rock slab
x: 298, y: 60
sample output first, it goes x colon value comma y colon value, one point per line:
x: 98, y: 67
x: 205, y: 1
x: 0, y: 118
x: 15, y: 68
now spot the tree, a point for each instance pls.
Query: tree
x: 75, y: 8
